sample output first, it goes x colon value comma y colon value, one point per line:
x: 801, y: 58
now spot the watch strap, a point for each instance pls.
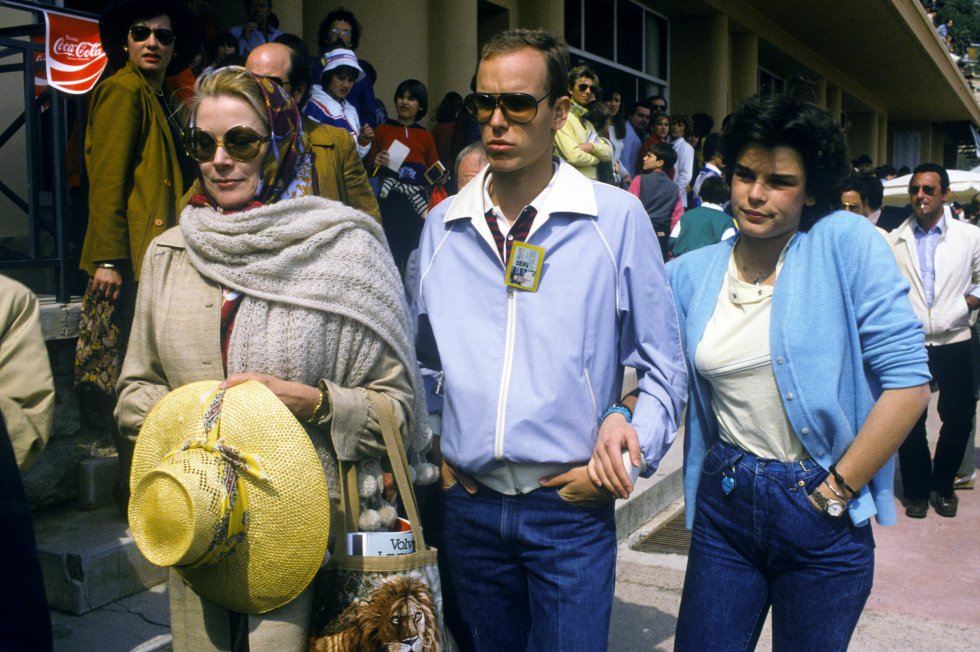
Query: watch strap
x: 825, y: 503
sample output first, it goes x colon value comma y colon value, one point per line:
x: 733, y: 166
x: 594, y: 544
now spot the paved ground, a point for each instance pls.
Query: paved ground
x: 927, y: 577
x: 925, y: 595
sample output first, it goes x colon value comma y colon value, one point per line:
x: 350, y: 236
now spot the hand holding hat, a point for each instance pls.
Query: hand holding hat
x: 302, y: 400
x: 228, y: 489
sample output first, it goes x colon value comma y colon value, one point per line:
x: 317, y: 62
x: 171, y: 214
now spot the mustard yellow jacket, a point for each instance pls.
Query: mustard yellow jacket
x: 339, y: 170
x: 134, y: 174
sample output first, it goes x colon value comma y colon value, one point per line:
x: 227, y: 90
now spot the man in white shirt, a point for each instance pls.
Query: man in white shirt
x: 684, y: 169
x: 940, y: 257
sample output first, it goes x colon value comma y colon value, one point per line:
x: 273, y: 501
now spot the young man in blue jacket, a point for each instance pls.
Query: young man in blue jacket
x: 536, y: 287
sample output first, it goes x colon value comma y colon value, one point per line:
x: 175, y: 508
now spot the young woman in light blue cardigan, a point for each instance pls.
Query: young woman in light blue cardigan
x: 807, y: 370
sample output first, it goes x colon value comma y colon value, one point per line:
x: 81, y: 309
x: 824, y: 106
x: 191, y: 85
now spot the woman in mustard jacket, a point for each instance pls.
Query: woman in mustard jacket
x: 131, y: 156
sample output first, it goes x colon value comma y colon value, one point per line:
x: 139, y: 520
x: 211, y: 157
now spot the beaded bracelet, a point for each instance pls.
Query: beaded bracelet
x: 617, y: 408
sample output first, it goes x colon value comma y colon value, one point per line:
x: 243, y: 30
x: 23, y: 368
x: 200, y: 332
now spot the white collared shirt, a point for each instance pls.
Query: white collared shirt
x: 502, y: 223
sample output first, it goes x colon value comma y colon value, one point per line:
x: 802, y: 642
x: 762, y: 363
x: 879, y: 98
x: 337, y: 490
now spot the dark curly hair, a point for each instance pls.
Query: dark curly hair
x: 323, y: 33
x: 802, y: 126
x: 117, y: 18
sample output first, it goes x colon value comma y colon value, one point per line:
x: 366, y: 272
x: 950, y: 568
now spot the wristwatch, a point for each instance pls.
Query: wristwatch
x: 829, y: 506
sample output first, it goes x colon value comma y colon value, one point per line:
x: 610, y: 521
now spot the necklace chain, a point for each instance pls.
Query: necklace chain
x: 761, y: 277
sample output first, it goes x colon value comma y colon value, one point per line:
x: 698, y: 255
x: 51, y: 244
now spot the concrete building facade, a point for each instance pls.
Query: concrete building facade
x: 879, y: 65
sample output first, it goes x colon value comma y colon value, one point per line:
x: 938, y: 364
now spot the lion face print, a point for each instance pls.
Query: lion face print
x: 398, y: 615
x: 406, y: 626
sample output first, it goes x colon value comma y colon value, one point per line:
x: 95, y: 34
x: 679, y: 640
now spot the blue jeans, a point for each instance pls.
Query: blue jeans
x: 764, y: 544
x: 532, y: 572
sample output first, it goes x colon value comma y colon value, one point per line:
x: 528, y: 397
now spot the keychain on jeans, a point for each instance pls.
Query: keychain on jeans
x: 728, y: 481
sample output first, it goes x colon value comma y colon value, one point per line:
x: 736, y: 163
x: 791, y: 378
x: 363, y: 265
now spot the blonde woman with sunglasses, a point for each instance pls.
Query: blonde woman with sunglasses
x: 577, y: 141
x: 265, y: 281
x: 135, y: 180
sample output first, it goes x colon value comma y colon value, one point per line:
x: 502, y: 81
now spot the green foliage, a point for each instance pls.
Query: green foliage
x: 966, y: 21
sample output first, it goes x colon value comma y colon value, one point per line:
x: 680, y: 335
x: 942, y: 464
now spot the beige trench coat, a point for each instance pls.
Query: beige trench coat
x: 26, y: 384
x: 175, y: 340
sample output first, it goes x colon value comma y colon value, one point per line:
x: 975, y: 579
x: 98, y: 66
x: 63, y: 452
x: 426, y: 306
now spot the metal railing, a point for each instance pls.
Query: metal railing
x: 44, y: 121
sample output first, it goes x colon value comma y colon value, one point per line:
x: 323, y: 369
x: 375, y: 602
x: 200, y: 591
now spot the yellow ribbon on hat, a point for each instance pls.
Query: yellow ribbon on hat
x: 234, y: 516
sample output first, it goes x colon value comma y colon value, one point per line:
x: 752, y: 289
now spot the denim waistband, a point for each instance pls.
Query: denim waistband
x: 758, y: 464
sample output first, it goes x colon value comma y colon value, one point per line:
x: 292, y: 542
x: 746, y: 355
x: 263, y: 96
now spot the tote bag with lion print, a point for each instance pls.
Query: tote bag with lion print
x: 380, y: 603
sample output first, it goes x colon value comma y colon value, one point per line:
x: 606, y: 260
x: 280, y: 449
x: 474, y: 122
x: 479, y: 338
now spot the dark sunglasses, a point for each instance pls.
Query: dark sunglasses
x: 519, y: 108
x: 141, y: 32
x: 241, y: 143
x: 928, y: 190
x: 585, y: 87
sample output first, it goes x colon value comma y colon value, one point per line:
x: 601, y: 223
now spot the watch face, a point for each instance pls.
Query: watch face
x: 834, y: 508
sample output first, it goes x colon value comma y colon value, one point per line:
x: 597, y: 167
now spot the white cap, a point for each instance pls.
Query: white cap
x: 341, y: 57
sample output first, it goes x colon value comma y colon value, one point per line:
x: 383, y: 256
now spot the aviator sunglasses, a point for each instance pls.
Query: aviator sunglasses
x: 241, y: 143
x: 141, y: 32
x: 519, y: 108
x: 928, y: 190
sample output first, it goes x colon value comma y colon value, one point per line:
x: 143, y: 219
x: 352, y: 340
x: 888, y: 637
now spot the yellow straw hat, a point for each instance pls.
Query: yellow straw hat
x: 228, y: 489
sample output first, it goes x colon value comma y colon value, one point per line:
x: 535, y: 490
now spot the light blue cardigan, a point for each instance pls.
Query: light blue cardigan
x: 842, y: 331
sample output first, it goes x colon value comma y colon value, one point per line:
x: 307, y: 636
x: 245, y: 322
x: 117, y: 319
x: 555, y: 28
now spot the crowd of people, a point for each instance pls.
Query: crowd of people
x: 268, y: 219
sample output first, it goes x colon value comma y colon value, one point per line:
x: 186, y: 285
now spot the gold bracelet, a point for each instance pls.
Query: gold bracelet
x: 316, y: 408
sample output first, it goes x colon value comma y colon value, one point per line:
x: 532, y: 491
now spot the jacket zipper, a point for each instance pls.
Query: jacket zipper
x: 498, y: 447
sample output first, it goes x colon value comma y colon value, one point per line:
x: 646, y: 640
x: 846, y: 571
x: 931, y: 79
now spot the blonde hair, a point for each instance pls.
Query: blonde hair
x: 230, y: 81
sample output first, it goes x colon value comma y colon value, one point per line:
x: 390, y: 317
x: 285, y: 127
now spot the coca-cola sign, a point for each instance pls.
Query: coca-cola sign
x: 75, y: 59
x: 72, y: 48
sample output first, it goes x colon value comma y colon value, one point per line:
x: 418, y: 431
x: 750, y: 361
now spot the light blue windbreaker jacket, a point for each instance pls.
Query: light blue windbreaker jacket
x: 528, y: 374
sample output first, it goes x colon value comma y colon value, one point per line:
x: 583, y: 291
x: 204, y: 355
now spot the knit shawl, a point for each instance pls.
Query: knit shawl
x: 321, y: 292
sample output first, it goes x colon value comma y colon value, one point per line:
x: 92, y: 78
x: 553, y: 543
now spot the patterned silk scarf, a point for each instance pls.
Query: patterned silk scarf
x: 287, y: 171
